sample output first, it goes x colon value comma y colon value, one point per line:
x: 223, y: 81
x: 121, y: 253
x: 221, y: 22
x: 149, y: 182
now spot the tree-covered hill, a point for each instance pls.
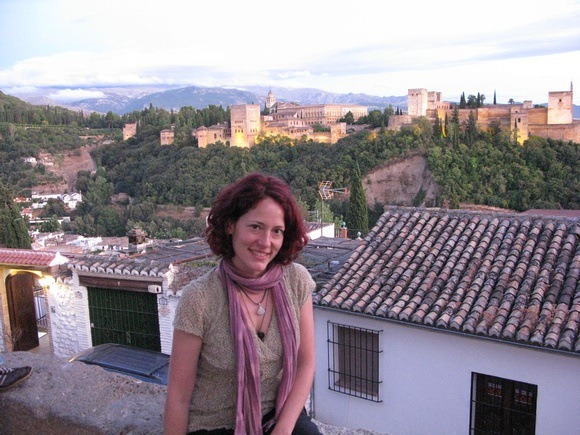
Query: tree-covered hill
x: 192, y: 176
x: 469, y: 165
x: 14, y: 110
x: 542, y: 174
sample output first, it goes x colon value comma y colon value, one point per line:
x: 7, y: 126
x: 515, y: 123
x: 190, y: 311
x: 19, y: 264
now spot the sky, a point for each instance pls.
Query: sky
x: 517, y: 49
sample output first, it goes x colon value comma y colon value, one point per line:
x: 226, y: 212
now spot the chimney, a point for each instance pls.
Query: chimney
x: 136, y: 238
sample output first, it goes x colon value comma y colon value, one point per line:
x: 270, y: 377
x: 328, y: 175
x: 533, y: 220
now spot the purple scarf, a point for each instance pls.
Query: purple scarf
x: 248, y: 399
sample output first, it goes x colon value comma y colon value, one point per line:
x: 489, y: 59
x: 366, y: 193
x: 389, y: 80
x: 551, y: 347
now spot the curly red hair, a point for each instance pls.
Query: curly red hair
x: 238, y: 198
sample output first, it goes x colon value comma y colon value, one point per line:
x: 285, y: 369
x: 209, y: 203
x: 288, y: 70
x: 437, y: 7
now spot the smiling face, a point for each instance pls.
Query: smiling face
x: 257, y: 237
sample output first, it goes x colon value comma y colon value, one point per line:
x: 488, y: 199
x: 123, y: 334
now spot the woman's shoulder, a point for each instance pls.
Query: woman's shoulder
x: 297, y: 273
x: 204, y: 283
x: 296, y: 269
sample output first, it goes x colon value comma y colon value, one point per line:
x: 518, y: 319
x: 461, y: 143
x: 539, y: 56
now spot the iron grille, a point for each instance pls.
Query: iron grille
x: 353, y: 361
x: 124, y: 317
x: 501, y: 406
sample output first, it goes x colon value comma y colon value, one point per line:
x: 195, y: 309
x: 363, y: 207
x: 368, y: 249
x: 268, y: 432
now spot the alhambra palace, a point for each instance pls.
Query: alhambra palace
x: 522, y: 119
x: 284, y: 119
x: 297, y: 121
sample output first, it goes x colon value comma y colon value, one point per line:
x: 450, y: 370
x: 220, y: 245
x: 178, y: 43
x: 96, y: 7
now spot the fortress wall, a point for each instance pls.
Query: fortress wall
x: 396, y: 121
x: 538, y: 115
x: 564, y: 132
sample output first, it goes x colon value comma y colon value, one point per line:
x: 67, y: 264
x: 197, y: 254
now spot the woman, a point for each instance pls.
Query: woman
x: 243, y: 346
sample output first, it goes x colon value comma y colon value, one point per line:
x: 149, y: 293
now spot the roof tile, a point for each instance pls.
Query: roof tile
x: 506, y: 276
x: 30, y: 258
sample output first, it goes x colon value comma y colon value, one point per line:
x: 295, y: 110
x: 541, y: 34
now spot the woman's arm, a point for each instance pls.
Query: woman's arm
x: 182, y: 373
x: 304, y: 373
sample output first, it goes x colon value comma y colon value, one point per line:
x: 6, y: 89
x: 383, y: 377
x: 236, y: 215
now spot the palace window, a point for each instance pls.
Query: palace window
x: 353, y: 361
x: 502, y: 406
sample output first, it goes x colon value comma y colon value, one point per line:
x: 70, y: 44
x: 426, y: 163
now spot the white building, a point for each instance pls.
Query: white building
x: 453, y: 323
x: 71, y: 200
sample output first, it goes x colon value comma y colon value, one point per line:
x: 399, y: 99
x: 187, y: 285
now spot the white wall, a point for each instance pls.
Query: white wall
x: 426, y: 380
x: 326, y: 231
x: 166, y: 317
x: 61, y: 301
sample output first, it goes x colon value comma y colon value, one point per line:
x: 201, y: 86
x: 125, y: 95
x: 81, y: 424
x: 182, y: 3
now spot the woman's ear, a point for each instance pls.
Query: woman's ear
x: 230, y: 228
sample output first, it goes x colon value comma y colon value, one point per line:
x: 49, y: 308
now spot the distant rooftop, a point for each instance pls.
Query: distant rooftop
x: 30, y: 258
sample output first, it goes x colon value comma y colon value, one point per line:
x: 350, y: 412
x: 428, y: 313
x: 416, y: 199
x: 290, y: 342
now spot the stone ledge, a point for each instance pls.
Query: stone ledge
x: 62, y: 397
x: 75, y: 398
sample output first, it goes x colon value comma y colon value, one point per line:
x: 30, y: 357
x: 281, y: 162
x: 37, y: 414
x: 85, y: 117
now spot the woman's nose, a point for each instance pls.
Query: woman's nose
x: 264, y: 239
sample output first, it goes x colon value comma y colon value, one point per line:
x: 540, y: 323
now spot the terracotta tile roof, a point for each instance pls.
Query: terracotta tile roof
x: 30, y: 258
x: 156, y: 262
x: 510, y: 277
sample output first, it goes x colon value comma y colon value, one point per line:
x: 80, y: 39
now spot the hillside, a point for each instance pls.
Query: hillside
x: 43, y: 147
x: 66, y: 166
x: 401, y: 182
x: 396, y: 183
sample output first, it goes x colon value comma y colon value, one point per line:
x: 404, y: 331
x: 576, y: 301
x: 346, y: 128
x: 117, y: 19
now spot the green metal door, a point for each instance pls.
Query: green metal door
x: 124, y: 317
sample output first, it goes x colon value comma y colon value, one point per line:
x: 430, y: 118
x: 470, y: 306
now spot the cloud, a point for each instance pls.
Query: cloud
x: 384, y: 48
x: 68, y: 95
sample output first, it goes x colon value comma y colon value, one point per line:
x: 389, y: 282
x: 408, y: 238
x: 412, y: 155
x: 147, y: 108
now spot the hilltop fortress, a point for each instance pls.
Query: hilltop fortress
x: 521, y: 119
x: 285, y: 119
x: 322, y: 122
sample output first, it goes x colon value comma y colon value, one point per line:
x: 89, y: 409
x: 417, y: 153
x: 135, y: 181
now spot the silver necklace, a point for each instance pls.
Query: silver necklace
x: 260, y: 311
x: 259, y: 332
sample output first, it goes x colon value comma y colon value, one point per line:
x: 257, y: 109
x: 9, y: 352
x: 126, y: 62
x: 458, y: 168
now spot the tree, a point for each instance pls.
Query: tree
x: 54, y: 207
x: 348, y: 118
x: 358, y: 215
x: 437, y: 128
x: 454, y: 131
x: 14, y: 233
x: 471, y: 130
x: 51, y: 225
x: 110, y: 119
x: 472, y: 101
x: 462, y: 102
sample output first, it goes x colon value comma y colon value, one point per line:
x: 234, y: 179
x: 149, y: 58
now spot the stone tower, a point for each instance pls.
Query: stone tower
x: 560, y: 107
x: 245, y: 124
x: 417, y: 100
x: 270, y: 100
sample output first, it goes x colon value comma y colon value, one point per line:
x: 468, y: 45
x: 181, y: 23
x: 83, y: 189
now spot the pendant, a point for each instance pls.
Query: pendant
x: 261, y: 335
x: 260, y: 311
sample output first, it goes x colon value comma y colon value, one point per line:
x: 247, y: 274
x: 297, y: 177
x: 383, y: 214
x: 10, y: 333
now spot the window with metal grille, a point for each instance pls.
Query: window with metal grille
x: 502, y: 406
x: 353, y: 361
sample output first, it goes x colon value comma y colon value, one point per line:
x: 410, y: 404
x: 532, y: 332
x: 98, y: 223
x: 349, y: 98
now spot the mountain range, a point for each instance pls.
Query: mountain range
x: 125, y: 99
x: 122, y: 100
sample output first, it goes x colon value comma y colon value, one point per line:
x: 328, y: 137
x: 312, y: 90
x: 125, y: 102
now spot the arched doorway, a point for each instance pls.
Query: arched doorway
x: 21, y: 311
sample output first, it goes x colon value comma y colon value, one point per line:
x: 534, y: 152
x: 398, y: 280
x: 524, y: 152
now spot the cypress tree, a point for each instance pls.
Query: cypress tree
x: 462, y: 101
x: 13, y: 231
x: 357, y: 216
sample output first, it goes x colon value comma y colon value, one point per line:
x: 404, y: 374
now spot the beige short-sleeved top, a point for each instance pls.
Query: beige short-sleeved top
x: 204, y: 311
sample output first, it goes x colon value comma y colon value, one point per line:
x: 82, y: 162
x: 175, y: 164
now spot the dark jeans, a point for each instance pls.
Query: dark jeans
x: 304, y: 426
